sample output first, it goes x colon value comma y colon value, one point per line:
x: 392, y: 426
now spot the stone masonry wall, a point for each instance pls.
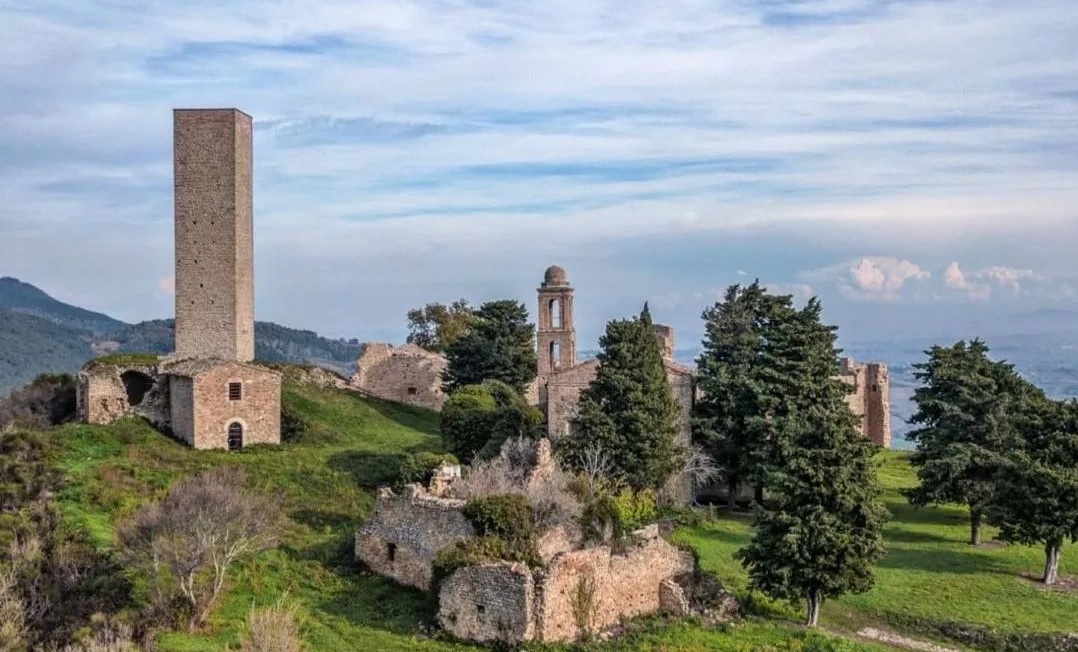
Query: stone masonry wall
x: 626, y: 585
x: 489, y: 603
x: 102, y: 395
x: 213, y: 230
x: 405, y: 533
x: 258, y: 411
x: 408, y: 374
x: 182, y: 393
x: 869, y: 398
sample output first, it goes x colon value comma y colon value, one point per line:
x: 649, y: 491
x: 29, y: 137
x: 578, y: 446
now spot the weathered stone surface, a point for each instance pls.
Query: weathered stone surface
x: 626, y: 585
x: 489, y: 603
x: 214, y: 234
x: 869, y: 398
x: 106, y: 392
x: 406, y: 374
x: 406, y: 532
x: 203, y: 409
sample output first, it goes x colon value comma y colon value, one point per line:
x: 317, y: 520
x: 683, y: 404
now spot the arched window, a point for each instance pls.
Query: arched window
x: 235, y: 436
x: 555, y: 355
x: 555, y: 313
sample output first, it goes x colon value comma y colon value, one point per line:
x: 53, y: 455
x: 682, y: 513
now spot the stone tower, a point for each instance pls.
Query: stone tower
x: 878, y: 404
x: 556, y: 338
x: 214, y: 239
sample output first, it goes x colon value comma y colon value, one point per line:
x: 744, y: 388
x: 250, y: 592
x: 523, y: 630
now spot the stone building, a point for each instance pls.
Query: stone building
x: 207, y: 393
x: 869, y: 398
x: 406, y: 374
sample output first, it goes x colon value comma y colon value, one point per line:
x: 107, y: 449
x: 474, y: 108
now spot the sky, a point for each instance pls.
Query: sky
x: 913, y: 163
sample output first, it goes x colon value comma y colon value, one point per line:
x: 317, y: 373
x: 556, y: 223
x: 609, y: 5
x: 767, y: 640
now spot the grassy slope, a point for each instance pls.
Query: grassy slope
x: 355, y: 444
x: 929, y: 572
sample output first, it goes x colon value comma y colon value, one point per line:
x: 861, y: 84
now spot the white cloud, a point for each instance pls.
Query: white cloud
x: 870, y: 278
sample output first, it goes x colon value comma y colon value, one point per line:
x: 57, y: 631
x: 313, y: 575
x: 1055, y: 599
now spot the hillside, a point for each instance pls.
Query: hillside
x: 26, y: 299
x: 354, y: 444
x: 39, y: 334
x: 32, y: 345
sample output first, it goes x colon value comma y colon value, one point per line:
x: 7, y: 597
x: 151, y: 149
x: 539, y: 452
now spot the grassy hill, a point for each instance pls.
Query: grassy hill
x: 355, y: 444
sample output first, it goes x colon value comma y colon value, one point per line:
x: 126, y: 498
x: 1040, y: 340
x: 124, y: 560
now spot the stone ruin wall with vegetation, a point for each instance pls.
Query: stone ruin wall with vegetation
x: 579, y: 592
x: 404, y: 534
x: 407, y: 374
x: 106, y: 392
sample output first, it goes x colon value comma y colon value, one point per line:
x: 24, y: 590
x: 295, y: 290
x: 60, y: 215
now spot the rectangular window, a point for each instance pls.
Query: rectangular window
x: 412, y: 391
x: 235, y: 391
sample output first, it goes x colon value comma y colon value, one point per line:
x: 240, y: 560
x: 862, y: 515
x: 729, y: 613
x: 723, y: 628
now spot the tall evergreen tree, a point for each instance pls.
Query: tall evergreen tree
x: 629, y: 410
x: 499, y: 345
x: 819, y: 534
x: 963, y: 412
x: 1036, y: 492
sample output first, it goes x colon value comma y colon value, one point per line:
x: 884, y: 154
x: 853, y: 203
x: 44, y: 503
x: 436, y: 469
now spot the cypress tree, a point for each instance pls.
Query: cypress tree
x: 629, y: 410
x: 819, y: 534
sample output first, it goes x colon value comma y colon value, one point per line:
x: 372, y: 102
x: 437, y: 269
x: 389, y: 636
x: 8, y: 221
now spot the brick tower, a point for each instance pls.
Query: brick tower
x: 556, y: 338
x: 214, y: 239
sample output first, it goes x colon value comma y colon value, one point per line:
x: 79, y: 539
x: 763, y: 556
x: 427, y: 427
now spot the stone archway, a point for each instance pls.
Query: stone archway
x: 136, y: 385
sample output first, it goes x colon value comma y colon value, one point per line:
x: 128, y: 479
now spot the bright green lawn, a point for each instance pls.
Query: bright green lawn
x: 355, y: 444
x: 930, y: 570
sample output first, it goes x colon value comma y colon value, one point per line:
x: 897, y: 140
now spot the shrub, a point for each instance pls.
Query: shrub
x: 420, y: 467
x: 47, y: 401
x: 294, y: 425
x: 12, y: 623
x: 187, y: 542
x: 477, y: 419
x: 272, y: 629
x: 635, y: 508
x: 507, y: 516
x: 480, y: 550
x: 609, y: 517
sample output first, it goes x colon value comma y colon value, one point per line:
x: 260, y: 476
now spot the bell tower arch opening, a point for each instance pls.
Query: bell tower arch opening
x: 556, y: 337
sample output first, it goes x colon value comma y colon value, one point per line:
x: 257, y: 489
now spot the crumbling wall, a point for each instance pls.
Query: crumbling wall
x: 489, y: 603
x: 406, y: 532
x: 625, y: 585
x: 106, y: 392
x: 869, y: 398
x: 407, y: 374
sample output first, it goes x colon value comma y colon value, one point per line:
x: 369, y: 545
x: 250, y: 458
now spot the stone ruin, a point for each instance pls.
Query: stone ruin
x: 510, y: 602
x: 406, y: 374
x: 869, y: 398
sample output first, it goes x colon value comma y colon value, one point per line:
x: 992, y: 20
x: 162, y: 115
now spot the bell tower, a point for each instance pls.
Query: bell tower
x: 556, y: 338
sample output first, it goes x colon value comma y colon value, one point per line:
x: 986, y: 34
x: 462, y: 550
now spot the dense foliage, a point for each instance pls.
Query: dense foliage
x: 498, y: 346
x: 1036, y: 490
x: 47, y: 401
x: 420, y: 467
x: 628, y: 411
x: 819, y: 533
x: 436, y: 326
x: 33, y: 345
x: 477, y: 419
x: 966, y: 415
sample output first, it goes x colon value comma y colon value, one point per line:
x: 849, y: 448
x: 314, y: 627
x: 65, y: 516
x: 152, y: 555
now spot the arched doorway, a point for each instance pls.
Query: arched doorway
x: 235, y: 436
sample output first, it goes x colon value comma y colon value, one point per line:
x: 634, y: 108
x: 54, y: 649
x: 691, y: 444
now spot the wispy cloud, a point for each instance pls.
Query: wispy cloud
x: 452, y: 131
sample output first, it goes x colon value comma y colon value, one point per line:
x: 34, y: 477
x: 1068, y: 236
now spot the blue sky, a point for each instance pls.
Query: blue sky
x: 913, y: 163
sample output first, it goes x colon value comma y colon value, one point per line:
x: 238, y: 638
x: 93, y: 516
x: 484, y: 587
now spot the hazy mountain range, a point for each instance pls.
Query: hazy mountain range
x: 40, y: 334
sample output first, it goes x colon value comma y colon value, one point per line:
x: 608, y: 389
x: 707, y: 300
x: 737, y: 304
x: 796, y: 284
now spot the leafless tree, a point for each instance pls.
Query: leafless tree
x: 595, y: 465
x: 188, y: 541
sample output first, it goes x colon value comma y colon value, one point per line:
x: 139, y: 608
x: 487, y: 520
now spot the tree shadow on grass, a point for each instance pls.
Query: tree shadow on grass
x: 369, y: 600
x: 368, y: 470
x: 936, y: 560
x: 903, y: 535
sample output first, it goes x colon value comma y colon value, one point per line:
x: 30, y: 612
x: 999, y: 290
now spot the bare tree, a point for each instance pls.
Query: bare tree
x: 595, y: 465
x: 188, y: 541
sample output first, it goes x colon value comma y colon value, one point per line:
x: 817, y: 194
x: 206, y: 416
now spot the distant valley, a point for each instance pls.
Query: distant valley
x: 40, y: 334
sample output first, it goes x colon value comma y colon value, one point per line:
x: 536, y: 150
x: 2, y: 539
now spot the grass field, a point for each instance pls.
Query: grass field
x: 355, y: 444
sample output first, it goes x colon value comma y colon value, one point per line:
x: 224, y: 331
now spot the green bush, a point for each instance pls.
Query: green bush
x: 636, y: 509
x: 507, y: 516
x: 477, y: 419
x: 609, y: 517
x: 294, y: 425
x: 420, y: 467
x: 481, y: 550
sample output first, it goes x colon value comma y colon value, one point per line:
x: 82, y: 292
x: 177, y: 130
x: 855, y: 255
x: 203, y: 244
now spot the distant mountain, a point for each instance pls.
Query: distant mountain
x: 32, y: 345
x: 24, y: 298
x: 39, y: 334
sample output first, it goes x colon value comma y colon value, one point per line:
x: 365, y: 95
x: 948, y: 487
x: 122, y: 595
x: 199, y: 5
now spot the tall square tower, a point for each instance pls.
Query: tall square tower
x: 214, y: 234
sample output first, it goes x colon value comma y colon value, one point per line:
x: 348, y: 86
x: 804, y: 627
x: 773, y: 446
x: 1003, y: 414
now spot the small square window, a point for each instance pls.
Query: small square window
x: 235, y: 391
x: 412, y: 391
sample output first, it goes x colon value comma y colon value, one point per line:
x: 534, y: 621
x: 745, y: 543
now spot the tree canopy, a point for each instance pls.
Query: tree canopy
x: 965, y: 408
x: 628, y: 409
x: 437, y: 326
x: 498, y: 346
x: 477, y: 419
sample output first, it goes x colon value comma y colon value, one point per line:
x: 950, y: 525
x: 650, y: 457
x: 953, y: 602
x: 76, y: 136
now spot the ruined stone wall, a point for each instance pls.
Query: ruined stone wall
x: 213, y: 230
x: 405, y: 533
x: 626, y: 585
x: 869, y: 398
x: 106, y: 392
x: 489, y: 603
x: 182, y: 393
x: 683, y: 385
x: 258, y: 410
x: 665, y: 335
x: 408, y: 374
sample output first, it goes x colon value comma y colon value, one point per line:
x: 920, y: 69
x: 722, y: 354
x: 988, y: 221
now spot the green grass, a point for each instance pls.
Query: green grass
x: 930, y: 571
x: 126, y: 359
x: 353, y: 445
